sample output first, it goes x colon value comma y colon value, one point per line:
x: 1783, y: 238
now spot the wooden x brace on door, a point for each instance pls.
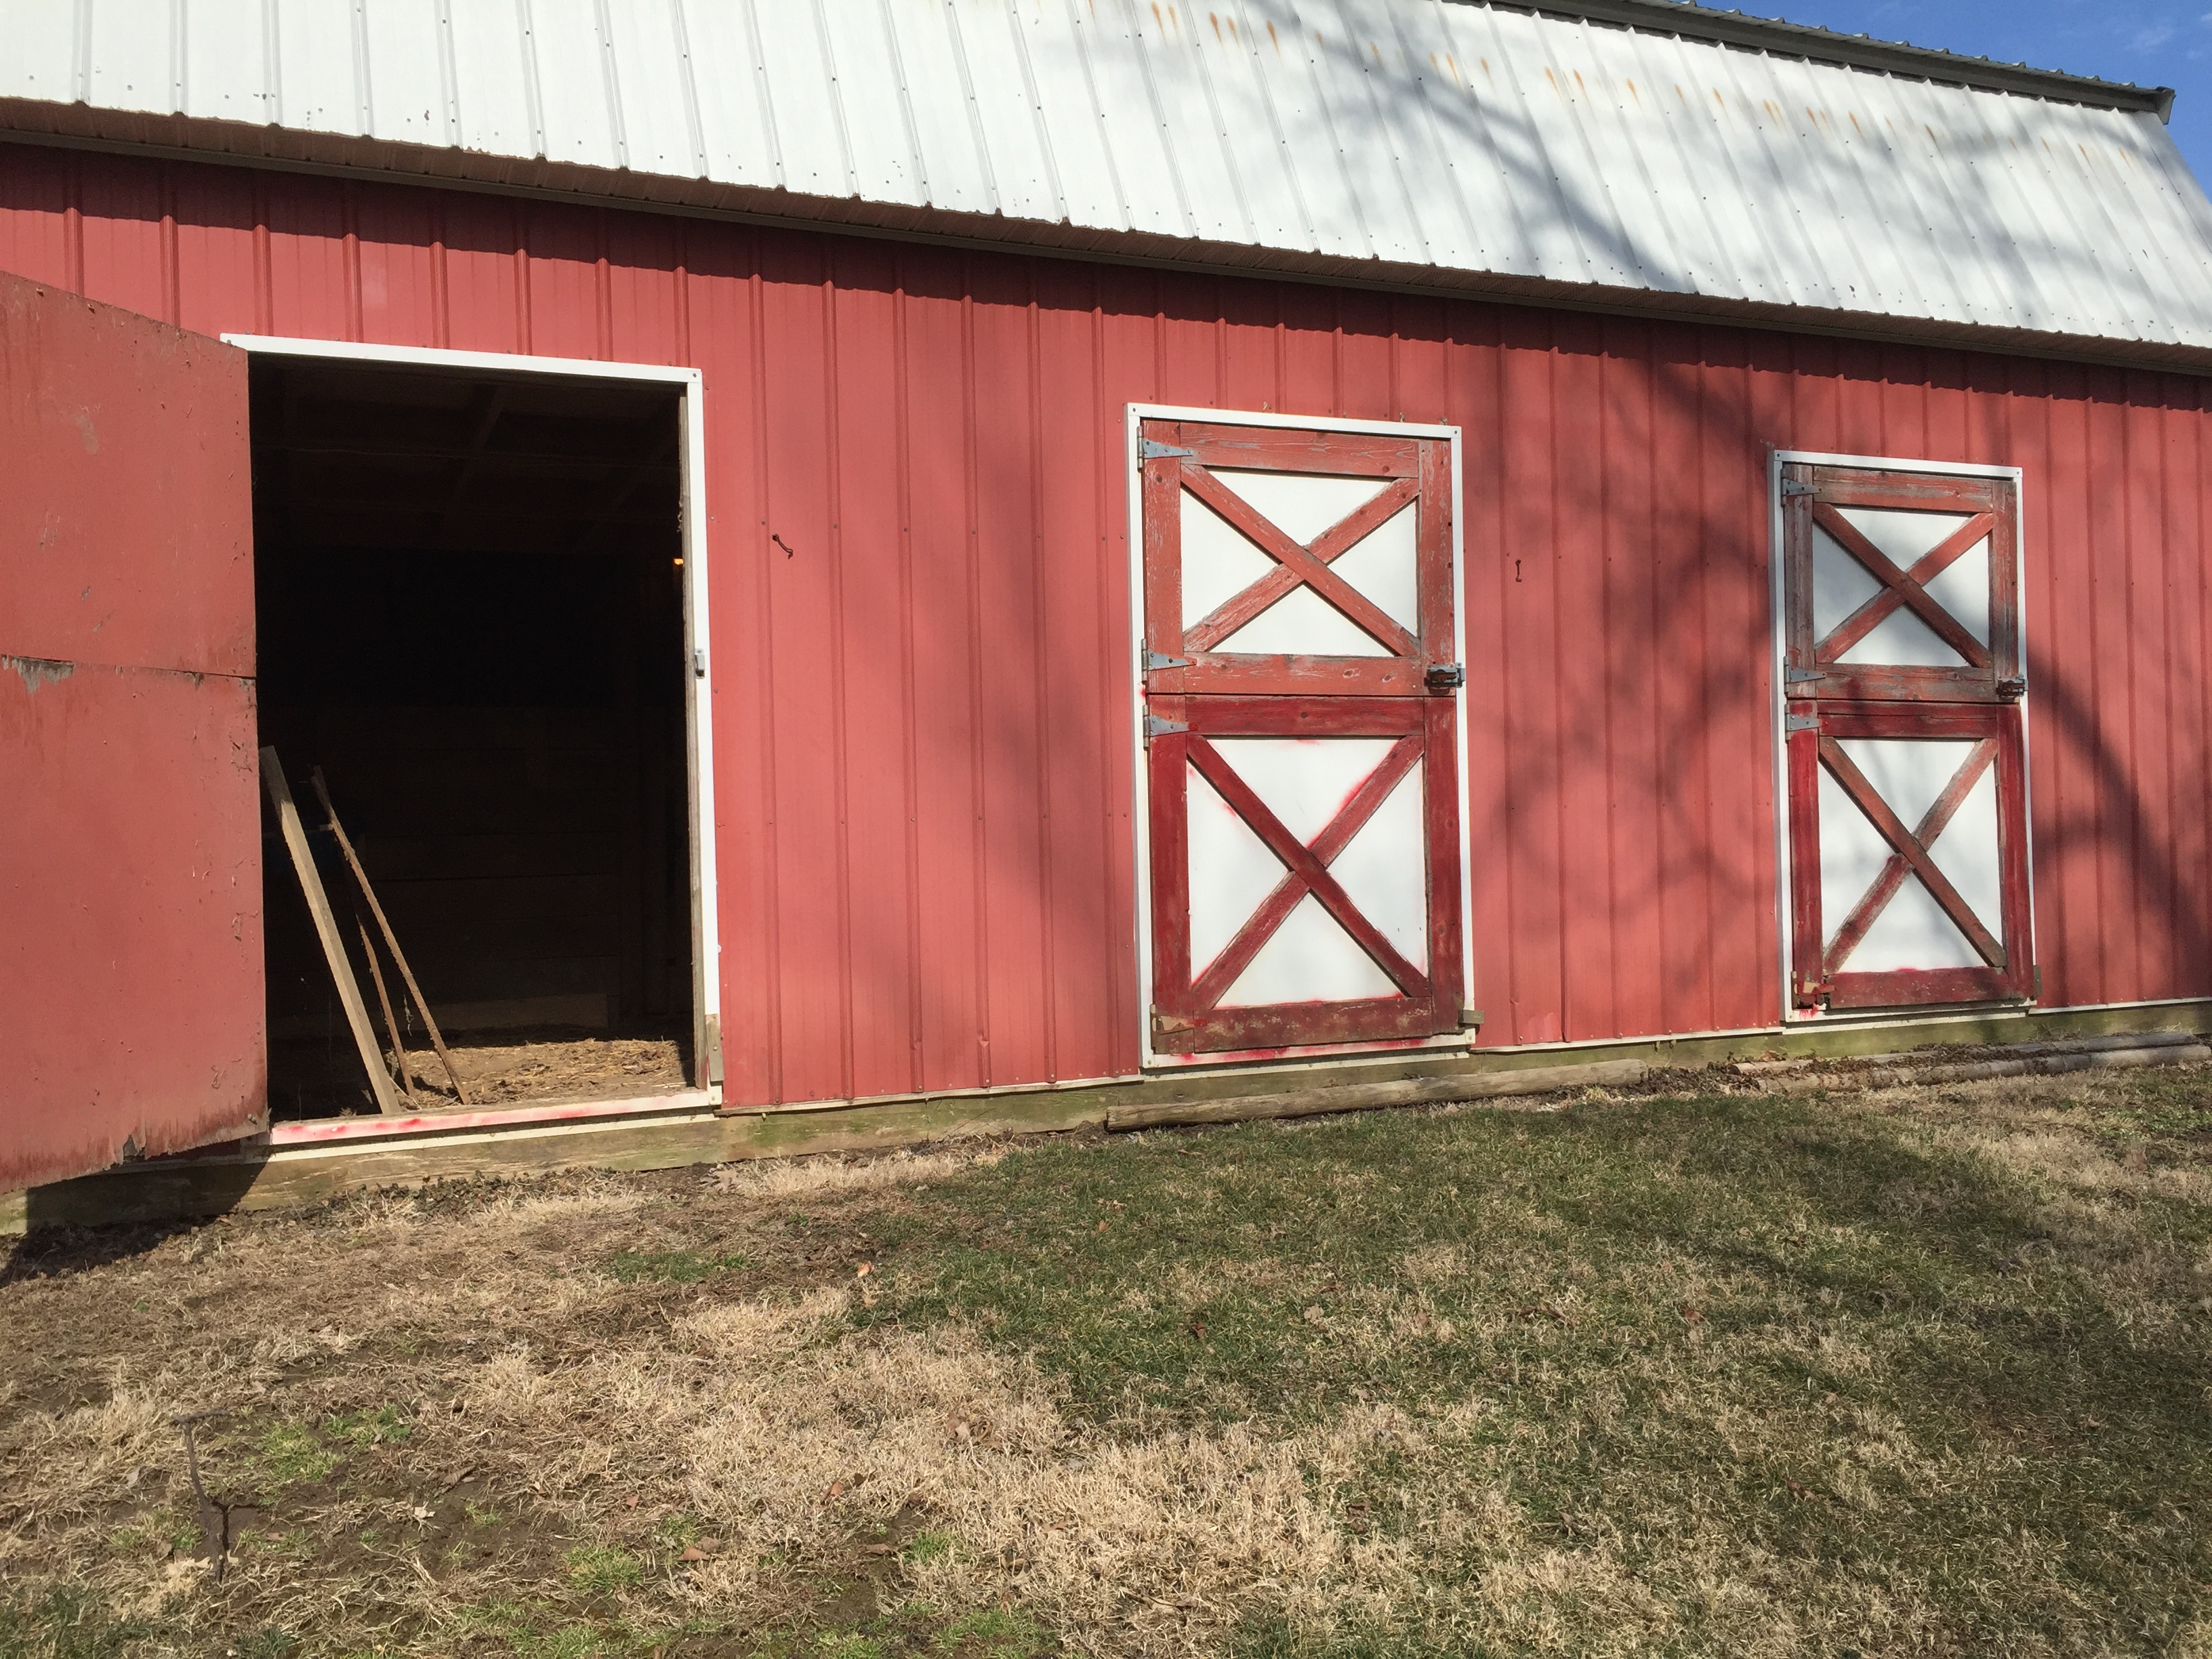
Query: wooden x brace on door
x: 1306, y: 866
x: 1299, y: 563
x: 1902, y: 587
x: 1910, y: 854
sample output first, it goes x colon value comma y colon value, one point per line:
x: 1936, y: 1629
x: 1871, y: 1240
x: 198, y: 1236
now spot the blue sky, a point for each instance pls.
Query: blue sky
x: 2160, y: 43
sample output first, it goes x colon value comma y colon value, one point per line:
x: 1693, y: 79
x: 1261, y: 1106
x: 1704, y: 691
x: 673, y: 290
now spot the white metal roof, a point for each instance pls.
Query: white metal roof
x: 1688, y: 161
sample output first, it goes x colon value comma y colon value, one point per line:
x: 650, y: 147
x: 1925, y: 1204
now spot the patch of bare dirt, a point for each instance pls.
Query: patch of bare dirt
x: 324, y: 1080
x: 552, y: 1069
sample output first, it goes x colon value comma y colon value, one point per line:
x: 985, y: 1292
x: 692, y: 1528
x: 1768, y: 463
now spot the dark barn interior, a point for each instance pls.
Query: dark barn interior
x: 470, y: 609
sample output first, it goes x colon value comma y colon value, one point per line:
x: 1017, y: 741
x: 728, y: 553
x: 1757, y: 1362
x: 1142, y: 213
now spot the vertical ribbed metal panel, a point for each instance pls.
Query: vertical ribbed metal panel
x: 923, y: 780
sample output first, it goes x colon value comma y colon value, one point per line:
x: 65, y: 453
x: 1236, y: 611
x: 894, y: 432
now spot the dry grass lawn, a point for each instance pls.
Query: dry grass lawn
x: 1911, y: 1372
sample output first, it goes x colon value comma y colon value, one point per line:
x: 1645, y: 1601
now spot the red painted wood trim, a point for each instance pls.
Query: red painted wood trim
x: 1911, y: 491
x: 1805, y: 921
x: 1440, y: 786
x: 1298, y: 1025
x: 1436, y: 600
x: 2014, y: 875
x: 1306, y: 717
x: 1918, y: 988
x: 1288, y: 449
x: 1162, y: 533
x: 1852, y: 682
x: 1298, y: 676
x: 1167, y: 758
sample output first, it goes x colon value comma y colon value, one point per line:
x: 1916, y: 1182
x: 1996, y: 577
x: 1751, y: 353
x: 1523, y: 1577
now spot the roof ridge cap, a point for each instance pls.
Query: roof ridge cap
x: 1685, y: 17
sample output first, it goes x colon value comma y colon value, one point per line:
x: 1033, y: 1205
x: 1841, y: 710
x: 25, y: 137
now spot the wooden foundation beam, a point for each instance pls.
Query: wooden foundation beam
x: 216, y: 1180
x: 1371, y: 1096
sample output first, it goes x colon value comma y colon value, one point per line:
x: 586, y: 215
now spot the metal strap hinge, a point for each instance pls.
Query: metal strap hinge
x: 1802, y: 676
x: 1802, y: 723
x: 1156, y: 660
x: 1157, y: 728
x: 1792, y: 488
x: 1154, y: 451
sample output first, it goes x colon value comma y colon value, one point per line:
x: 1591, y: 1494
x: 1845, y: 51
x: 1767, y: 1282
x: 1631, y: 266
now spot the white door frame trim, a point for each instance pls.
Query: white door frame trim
x: 689, y: 384
x: 1140, y: 791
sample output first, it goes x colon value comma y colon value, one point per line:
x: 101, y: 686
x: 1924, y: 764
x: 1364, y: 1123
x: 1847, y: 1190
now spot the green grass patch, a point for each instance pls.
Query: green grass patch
x: 387, y: 1426
x: 602, y: 1569
x: 67, y: 1621
x: 1768, y: 1328
x: 668, y: 1267
x: 291, y: 1454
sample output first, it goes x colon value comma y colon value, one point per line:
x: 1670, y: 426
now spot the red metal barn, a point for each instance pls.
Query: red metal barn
x: 977, y: 565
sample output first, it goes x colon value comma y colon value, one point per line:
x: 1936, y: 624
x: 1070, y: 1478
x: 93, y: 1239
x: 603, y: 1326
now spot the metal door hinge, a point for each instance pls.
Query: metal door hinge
x: 1156, y: 660
x: 1792, y: 488
x: 1446, y: 676
x: 2013, y: 687
x: 699, y: 661
x: 1801, y: 723
x: 1157, y: 728
x: 1802, y: 676
x: 1154, y: 451
x: 1470, y: 1019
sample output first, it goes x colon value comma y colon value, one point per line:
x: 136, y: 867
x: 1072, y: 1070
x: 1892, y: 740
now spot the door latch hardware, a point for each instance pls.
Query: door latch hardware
x: 1801, y: 723
x: 1155, y: 451
x: 1446, y: 676
x: 2013, y: 687
x: 1156, y: 660
x: 699, y: 661
x: 1157, y: 728
x: 1792, y: 488
x: 1470, y: 1019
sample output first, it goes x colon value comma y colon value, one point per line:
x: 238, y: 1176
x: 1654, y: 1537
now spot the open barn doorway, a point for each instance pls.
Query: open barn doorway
x: 471, y: 620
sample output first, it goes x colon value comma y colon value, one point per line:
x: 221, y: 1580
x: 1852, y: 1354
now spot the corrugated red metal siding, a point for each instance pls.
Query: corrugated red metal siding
x: 923, y: 777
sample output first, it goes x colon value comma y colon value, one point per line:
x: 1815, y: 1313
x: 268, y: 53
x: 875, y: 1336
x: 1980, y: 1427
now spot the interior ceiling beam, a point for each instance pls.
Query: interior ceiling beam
x: 465, y: 454
x: 662, y: 456
x: 490, y: 403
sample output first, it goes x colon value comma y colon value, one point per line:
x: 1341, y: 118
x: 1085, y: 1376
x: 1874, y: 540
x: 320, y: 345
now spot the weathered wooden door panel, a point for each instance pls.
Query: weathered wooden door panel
x: 1907, y: 792
x: 1303, y: 738
x: 131, y: 1007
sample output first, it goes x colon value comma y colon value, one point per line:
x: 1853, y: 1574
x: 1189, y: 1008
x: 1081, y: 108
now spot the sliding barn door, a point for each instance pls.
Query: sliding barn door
x: 1908, y: 798
x: 1301, y: 726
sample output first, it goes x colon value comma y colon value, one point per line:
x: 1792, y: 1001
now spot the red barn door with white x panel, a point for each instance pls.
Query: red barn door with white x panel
x: 1300, y: 676
x: 1907, y: 758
